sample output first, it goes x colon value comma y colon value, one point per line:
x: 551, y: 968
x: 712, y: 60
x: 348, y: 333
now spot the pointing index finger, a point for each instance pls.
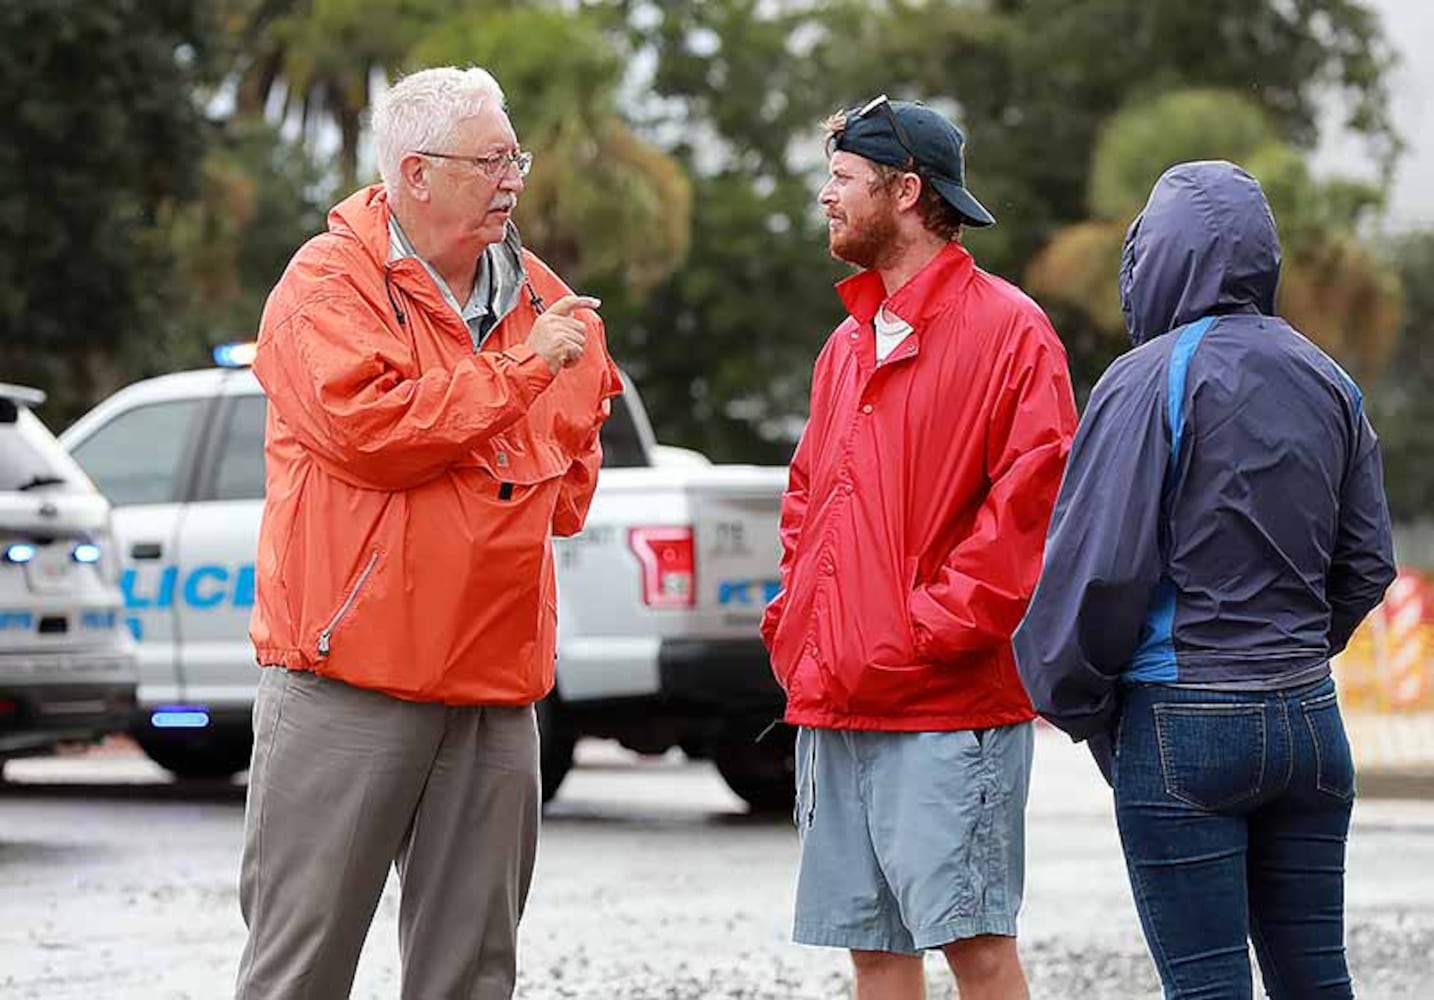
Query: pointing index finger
x: 565, y: 305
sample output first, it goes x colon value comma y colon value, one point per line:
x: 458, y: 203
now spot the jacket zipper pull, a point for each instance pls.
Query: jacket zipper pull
x: 353, y: 594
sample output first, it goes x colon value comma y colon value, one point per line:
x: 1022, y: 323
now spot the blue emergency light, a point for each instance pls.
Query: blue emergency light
x: 179, y: 717
x: 239, y: 354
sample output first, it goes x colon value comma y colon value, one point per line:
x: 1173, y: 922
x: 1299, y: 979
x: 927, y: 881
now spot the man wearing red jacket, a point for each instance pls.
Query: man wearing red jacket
x: 912, y: 528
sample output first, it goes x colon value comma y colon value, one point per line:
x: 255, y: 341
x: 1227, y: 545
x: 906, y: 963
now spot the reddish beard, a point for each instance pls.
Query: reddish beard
x: 867, y: 244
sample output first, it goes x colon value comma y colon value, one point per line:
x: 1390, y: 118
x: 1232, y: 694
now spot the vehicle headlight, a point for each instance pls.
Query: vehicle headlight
x: 19, y: 552
x: 99, y: 551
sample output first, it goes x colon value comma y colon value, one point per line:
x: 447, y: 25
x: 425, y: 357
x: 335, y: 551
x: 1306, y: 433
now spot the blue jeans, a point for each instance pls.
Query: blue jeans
x: 1234, y: 810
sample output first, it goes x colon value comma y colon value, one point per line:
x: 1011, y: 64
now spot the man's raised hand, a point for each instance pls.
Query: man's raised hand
x: 558, y: 335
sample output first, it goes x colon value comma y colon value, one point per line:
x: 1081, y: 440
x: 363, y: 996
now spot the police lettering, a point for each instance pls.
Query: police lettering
x: 200, y: 587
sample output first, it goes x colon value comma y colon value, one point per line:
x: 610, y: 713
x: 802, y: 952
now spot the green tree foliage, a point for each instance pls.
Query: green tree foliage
x: 259, y: 197
x: 1137, y: 145
x: 744, y: 86
x: 1401, y: 401
x: 608, y: 210
x: 135, y: 232
x: 102, y: 141
x: 659, y: 126
x: 723, y: 350
x: 1332, y: 286
x: 317, y: 59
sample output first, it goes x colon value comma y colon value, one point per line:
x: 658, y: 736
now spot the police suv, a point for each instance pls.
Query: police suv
x: 659, y: 598
x: 66, y: 659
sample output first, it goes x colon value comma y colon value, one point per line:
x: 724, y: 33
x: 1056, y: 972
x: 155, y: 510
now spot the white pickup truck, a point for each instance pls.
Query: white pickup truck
x: 659, y: 597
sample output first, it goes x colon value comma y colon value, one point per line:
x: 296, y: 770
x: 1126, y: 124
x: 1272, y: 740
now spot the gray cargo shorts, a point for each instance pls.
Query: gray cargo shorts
x: 910, y: 840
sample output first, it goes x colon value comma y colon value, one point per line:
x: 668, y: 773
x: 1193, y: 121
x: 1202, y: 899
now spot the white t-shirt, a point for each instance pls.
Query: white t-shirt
x: 891, y: 330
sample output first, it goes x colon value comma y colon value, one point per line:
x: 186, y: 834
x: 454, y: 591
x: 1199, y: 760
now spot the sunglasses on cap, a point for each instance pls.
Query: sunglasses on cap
x: 882, y: 104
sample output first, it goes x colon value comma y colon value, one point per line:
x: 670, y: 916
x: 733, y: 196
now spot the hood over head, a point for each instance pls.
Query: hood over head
x: 1205, y: 244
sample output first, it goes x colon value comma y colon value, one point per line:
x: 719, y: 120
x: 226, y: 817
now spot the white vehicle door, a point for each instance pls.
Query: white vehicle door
x: 140, y: 459
x: 218, y: 539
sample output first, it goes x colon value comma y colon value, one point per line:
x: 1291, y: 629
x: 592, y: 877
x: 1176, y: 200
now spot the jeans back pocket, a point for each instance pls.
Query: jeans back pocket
x: 1212, y: 754
x: 1334, y: 764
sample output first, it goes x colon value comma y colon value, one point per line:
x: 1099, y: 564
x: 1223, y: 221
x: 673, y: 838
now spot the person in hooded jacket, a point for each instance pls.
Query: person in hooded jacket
x: 1221, y: 530
x: 435, y: 397
x: 941, y: 415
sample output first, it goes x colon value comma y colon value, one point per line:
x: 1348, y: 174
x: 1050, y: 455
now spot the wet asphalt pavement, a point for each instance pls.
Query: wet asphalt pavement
x: 652, y: 884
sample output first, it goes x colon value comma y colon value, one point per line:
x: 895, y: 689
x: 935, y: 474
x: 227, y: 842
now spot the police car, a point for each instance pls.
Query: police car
x: 659, y: 598
x: 66, y: 659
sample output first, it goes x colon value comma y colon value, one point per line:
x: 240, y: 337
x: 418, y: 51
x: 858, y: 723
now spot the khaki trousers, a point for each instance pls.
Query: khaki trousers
x: 346, y: 782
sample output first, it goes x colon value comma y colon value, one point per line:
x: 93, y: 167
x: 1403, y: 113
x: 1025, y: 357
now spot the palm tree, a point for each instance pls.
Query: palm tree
x: 313, y: 62
x: 601, y: 201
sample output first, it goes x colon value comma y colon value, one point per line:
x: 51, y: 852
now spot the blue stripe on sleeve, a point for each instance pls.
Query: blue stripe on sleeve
x: 1350, y: 382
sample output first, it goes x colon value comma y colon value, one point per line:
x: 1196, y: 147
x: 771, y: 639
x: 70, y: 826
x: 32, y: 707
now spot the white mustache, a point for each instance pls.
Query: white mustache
x: 503, y: 203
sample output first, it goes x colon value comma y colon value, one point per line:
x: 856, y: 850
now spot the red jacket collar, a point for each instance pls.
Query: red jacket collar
x: 948, y: 271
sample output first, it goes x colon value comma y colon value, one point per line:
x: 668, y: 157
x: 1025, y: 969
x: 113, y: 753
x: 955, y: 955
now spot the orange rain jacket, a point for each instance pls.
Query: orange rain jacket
x: 914, y: 522
x: 413, y: 485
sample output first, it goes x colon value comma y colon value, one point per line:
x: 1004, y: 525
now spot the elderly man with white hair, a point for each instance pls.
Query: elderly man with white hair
x: 435, y: 396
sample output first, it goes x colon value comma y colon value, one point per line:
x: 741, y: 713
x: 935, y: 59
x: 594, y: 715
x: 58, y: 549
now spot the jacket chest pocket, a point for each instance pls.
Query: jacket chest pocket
x: 557, y: 428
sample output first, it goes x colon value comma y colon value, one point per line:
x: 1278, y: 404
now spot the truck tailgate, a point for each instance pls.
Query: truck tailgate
x: 735, y: 514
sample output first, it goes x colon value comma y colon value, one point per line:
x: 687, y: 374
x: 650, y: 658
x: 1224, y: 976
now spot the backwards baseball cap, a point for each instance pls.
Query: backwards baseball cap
x: 911, y: 136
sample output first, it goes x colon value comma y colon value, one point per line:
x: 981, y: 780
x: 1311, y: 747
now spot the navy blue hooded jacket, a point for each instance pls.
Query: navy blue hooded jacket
x: 1222, y: 519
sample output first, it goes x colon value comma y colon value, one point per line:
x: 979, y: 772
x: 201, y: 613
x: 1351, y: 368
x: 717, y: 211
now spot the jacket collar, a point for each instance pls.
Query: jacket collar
x: 365, y: 214
x: 916, y: 300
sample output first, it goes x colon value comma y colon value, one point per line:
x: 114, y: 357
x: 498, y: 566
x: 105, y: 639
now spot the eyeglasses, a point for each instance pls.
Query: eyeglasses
x: 494, y: 166
x: 882, y: 104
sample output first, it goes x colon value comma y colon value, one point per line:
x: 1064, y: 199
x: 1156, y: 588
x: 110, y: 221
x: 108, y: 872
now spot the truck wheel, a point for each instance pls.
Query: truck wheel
x: 201, y: 754
x: 764, y: 774
x: 555, y: 746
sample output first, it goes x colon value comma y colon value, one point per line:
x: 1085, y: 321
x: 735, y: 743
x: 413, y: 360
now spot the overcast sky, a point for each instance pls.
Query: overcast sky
x: 1410, y: 25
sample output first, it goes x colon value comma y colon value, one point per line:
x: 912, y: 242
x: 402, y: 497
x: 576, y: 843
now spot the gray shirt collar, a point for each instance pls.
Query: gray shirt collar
x: 495, y: 287
x: 478, y: 302
x: 501, y: 274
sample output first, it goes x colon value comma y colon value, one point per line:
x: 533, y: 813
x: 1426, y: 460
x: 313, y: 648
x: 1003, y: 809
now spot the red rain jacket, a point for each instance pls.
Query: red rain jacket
x: 913, y: 525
